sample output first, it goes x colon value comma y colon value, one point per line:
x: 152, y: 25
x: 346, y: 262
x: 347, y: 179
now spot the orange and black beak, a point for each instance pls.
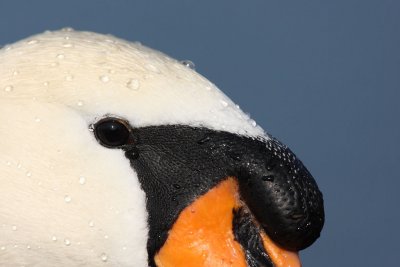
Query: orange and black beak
x: 219, y: 199
x: 218, y: 230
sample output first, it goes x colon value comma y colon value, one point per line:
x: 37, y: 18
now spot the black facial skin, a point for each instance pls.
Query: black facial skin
x: 176, y: 164
x: 248, y: 236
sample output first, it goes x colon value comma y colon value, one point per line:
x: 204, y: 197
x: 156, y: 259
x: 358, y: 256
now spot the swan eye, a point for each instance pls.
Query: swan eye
x: 112, y: 132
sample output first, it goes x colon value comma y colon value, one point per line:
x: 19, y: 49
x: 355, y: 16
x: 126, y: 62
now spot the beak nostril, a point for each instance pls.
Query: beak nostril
x: 297, y: 216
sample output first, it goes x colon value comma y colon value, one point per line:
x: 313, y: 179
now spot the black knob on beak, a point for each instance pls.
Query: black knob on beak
x: 282, y: 195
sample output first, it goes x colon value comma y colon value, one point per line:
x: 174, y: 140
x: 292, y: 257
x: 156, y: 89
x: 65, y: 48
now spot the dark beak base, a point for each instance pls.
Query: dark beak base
x: 177, y: 164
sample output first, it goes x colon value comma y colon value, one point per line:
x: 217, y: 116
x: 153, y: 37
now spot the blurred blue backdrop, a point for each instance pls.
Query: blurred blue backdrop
x: 322, y: 76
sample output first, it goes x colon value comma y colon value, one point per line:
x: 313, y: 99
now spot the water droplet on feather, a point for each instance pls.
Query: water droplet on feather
x: 82, y: 180
x: 67, y: 242
x: 104, y: 257
x: 104, y: 78
x: 189, y: 64
x: 8, y: 88
x: 133, y: 84
x: 67, y: 199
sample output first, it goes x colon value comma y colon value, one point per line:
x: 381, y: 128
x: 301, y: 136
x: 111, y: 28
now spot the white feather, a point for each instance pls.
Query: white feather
x: 64, y: 199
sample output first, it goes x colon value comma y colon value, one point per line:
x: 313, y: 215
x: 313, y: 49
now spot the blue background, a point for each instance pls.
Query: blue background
x: 322, y: 76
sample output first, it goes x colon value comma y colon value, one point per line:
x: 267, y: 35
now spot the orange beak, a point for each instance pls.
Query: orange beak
x: 203, y: 235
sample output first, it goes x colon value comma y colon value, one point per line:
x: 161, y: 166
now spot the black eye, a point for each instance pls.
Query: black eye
x: 112, y: 132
